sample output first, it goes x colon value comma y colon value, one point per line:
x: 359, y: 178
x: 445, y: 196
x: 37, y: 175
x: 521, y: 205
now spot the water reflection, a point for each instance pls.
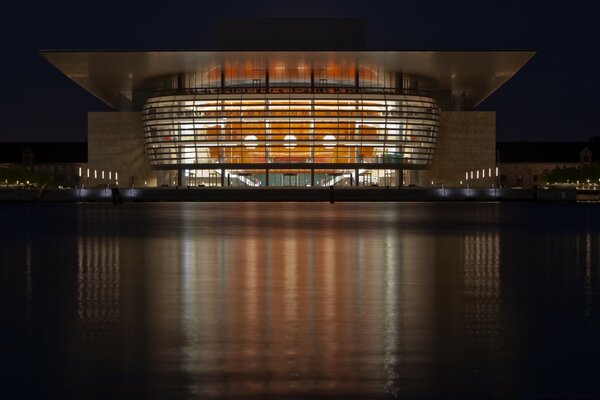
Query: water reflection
x: 299, y: 300
x: 28, y: 282
x: 98, y: 277
x: 482, y: 290
x: 288, y: 309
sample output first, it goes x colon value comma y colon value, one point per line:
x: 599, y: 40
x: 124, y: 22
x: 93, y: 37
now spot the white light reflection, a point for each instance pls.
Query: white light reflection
x: 98, y: 284
x: 291, y: 278
x: 391, y: 339
x: 482, y: 290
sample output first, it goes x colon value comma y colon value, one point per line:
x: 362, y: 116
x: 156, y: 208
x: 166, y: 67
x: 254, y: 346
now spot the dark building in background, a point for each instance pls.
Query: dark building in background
x: 43, y: 152
x: 523, y: 164
x: 50, y: 164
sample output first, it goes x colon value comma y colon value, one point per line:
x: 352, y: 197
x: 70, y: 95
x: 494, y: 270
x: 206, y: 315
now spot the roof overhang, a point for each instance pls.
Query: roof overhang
x: 106, y: 73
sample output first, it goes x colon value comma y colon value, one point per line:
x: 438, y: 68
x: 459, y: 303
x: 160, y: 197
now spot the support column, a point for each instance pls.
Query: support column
x: 222, y: 177
x: 222, y: 78
x: 356, y: 176
x: 399, y: 177
x: 312, y: 177
x: 180, y: 175
x: 267, y: 177
x: 180, y: 81
x: 267, y: 81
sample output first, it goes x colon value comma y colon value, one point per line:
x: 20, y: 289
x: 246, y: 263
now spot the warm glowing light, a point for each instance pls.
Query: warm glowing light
x: 490, y: 173
x: 88, y: 172
x: 346, y: 129
x: 496, y: 171
x: 250, y: 141
x: 329, y: 141
x: 102, y: 174
x: 477, y: 174
x: 95, y: 174
x: 483, y: 173
x: 109, y: 175
x: 116, y: 177
x: 289, y: 141
x: 466, y: 176
x: 471, y: 174
x: 80, y: 172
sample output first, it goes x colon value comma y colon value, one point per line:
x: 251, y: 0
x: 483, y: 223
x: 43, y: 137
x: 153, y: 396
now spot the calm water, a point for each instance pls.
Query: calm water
x: 300, y: 300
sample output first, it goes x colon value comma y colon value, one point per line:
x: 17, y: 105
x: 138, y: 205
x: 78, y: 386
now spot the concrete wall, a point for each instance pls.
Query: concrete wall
x: 467, y: 141
x: 116, y: 143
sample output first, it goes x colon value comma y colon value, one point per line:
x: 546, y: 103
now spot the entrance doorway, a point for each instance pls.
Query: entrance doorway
x: 290, y: 179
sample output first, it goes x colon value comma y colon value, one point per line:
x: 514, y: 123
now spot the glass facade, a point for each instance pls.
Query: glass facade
x: 321, y: 120
x: 332, y: 129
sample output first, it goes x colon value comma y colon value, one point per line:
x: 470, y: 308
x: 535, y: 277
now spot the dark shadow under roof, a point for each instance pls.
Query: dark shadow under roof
x: 107, y: 73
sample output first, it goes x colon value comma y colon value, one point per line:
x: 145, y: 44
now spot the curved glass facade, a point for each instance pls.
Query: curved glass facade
x: 197, y: 128
x: 292, y: 115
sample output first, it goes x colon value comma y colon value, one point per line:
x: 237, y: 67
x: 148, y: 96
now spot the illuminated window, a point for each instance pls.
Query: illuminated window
x: 329, y: 142
x: 289, y: 141
x: 250, y: 141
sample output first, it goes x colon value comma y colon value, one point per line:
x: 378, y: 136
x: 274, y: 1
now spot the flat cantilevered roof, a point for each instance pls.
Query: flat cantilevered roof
x: 106, y: 73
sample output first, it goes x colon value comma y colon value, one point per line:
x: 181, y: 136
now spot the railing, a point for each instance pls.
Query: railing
x: 289, y: 90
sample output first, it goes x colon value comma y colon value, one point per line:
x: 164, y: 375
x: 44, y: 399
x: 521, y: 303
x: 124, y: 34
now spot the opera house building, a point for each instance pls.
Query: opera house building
x: 291, y: 118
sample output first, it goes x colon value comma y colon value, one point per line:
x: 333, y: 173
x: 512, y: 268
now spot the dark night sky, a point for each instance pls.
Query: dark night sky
x: 554, y: 97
